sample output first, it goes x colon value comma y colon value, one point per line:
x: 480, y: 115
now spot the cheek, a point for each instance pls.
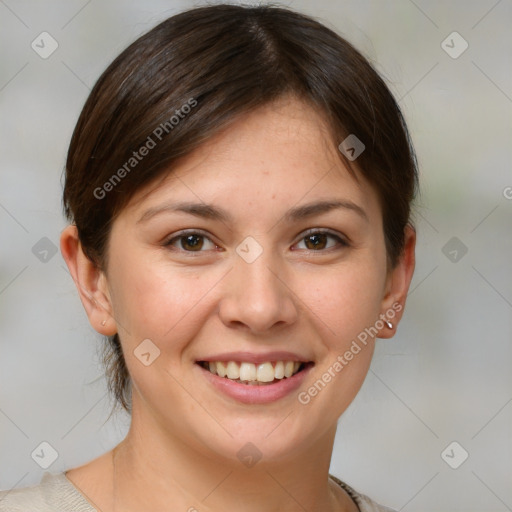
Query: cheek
x: 168, y: 306
x: 346, y: 299
x: 155, y: 300
x: 346, y: 305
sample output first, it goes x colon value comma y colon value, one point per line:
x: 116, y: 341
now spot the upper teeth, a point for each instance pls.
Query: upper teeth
x: 264, y: 372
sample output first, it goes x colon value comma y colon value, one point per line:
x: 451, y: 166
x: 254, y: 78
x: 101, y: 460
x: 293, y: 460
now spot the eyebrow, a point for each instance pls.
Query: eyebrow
x: 208, y: 211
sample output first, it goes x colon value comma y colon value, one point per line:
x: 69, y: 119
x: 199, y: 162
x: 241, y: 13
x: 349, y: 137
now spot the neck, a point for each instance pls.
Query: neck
x: 152, y: 472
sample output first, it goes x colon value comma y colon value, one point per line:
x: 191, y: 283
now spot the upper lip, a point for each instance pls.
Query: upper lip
x: 251, y: 357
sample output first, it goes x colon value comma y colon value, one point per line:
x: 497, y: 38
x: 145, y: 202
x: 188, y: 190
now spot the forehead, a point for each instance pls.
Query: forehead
x: 282, y: 152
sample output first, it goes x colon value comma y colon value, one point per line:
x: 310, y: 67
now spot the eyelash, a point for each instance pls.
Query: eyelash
x: 342, y: 242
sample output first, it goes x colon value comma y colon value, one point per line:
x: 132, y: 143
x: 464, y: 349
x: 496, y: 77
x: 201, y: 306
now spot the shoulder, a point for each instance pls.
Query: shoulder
x: 364, y: 503
x: 54, y: 493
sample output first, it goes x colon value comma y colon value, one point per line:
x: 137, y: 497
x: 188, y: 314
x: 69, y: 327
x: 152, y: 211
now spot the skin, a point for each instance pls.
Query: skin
x: 182, y: 445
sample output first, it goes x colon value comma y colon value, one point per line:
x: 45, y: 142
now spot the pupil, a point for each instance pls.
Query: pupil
x: 193, y: 241
x: 318, y: 242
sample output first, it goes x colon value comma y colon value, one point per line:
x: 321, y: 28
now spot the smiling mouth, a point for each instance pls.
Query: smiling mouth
x: 254, y: 374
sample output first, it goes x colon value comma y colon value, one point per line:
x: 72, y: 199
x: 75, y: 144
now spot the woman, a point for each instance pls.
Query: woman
x: 238, y: 188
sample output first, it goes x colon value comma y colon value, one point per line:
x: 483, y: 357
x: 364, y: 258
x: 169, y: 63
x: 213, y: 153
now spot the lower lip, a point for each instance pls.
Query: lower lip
x: 248, y: 394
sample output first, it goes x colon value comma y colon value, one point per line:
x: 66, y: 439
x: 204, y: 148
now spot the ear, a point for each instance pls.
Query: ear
x: 90, y: 281
x: 397, y: 284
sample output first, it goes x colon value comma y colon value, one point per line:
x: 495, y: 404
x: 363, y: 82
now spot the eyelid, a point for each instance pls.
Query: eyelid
x: 325, y: 231
x: 187, y: 231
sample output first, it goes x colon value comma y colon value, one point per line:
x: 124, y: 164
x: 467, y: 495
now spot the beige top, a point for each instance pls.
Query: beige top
x: 55, y: 493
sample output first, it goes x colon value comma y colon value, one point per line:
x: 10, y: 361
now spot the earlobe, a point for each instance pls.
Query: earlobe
x: 397, y: 284
x: 90, y: 281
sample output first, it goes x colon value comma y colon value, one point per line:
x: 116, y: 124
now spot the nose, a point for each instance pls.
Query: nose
x: 257, y: 296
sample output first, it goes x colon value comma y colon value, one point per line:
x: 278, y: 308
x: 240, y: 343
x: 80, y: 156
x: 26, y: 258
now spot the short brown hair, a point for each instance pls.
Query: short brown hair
x: 229, y: 60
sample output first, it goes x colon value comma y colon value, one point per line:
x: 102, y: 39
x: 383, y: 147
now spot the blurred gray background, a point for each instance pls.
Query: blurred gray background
x: 439, y: 391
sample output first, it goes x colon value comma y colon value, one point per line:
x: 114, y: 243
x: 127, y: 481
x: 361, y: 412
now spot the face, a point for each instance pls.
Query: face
x: 253, y: 274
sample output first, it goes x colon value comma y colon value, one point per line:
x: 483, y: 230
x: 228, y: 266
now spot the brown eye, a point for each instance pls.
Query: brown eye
x: 190, y: 242
x: 319, y: 240
x: 316, y: 241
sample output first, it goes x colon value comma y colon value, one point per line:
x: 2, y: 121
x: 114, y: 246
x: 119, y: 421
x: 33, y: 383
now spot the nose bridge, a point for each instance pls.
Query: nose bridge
x: 258, y: 277
x: 257, y: 297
